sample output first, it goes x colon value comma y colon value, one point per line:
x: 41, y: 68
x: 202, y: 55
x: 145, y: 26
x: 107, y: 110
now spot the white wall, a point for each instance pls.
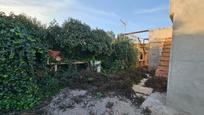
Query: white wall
x: 186, y: 72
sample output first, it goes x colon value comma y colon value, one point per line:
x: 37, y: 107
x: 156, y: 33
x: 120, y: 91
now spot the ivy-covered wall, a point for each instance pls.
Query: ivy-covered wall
x: 22, y: 55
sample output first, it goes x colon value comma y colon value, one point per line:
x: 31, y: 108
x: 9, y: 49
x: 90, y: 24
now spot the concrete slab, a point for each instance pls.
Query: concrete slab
x: 156, y: 103
x: 142, y: 90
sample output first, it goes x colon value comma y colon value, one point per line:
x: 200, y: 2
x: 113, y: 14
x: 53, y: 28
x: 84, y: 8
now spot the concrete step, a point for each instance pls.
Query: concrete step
x: 142, y: 90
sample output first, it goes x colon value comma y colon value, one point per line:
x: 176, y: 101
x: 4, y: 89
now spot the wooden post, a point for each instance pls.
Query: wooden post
x: 55, y: 67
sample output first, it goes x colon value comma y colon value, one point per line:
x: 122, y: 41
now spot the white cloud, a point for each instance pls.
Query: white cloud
x: 46, y: 10
x: 41, y: 9
x: 88, y: 14
x: 151, y: 10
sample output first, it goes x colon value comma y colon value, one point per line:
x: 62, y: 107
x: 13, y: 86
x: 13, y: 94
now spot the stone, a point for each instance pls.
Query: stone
x: 142, y: 90
x: 156, y: 104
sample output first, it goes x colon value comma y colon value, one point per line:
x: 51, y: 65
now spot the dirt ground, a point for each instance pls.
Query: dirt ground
x: 93, y: 93
x: 115, y: 84
x: 96, y: 94
x: 79, y: 102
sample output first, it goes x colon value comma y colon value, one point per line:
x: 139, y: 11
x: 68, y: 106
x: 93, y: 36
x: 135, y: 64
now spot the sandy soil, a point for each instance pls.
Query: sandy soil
x: 80, y: 102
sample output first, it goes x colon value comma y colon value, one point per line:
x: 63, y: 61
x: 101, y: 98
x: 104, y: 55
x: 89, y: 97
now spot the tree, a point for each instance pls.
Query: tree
x: 77, y: 41
x: 101, y: 46
x: 54, y: 32
x: 111, y: 34
x: 74, y: 39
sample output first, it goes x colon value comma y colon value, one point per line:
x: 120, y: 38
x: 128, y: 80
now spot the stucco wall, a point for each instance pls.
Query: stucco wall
x: 186, y: 74
x: 156, y: 39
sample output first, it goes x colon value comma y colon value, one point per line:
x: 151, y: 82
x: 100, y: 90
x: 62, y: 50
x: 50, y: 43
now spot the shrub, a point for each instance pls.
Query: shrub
x: 48, y: 86
x: 21, y: 59
x: 157, y: 83
x: 123, y: 56
x: 66, y: 75
x: 101, y: 44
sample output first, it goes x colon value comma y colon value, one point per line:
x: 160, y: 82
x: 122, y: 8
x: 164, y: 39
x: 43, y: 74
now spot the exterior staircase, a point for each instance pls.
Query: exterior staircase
x: 163, y: 67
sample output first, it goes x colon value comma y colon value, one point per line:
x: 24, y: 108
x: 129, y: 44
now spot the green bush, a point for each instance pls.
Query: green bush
x: 157, y: 83
x: 123, y: 56
x: 48, y: 86
x: 101, y: 44
x: 22, y: 59
x: 65, y: 75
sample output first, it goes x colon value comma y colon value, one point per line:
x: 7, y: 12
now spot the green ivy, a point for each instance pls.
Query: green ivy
x: 21, y: 58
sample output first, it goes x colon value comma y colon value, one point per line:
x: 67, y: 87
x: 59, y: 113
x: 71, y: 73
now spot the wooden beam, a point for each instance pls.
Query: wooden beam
x: 142, y: 31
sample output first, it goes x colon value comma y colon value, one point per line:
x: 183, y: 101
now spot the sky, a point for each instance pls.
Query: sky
x: 103, y: 14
